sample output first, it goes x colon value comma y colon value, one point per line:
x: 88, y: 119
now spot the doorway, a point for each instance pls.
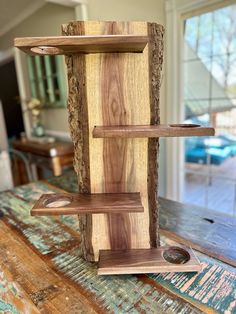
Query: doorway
x: 9, y: 95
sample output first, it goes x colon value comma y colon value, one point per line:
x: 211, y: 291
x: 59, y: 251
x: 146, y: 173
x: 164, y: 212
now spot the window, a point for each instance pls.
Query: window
x: 210, y: 100
x: 47, y: 80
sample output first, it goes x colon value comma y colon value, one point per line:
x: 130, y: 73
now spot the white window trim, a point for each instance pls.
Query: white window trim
x: 175, y: 14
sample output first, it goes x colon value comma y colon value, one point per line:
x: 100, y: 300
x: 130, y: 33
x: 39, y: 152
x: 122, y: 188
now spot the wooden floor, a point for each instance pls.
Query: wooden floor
x: 219, y: 193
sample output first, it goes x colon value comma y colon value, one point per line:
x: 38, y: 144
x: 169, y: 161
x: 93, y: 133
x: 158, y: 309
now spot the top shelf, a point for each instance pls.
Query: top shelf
x: 59, y: 45
x: 138, y: 131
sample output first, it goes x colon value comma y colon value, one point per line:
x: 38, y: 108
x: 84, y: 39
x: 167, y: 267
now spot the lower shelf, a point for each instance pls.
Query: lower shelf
x: 139, y: 131
x: 76, y: 203
x: 139, y: 261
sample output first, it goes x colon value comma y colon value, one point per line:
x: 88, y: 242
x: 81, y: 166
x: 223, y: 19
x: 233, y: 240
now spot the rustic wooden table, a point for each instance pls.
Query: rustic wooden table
x: 42, y: 271
x: 52, y: 156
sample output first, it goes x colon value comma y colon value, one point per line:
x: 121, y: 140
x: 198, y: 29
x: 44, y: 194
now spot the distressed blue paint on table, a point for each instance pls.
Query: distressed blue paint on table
x: 41, y: 259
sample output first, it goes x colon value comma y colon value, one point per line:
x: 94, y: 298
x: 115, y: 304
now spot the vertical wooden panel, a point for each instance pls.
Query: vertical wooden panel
x: 117, y: 90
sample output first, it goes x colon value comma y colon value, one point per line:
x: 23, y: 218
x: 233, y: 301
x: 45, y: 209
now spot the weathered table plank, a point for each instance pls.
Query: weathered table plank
x: 46, y: 289
x: 13, y: 298
x: 206, y: 231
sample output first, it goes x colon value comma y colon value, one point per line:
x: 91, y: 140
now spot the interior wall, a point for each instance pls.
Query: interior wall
x: 135, y: 10
x: 44, y: 22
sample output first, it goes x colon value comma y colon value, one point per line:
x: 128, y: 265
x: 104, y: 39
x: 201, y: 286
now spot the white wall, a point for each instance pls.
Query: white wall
x: 127, y: 10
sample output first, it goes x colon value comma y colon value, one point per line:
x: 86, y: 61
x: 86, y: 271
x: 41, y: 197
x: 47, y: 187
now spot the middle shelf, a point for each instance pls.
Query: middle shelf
x: 77, y: 203
x: 172, y: 130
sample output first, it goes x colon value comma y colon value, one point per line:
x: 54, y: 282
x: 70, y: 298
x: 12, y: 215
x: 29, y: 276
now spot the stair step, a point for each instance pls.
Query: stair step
x: 172, y: 130
x: 75, y: 203
x: 139, y: 261
x: 57, y: 45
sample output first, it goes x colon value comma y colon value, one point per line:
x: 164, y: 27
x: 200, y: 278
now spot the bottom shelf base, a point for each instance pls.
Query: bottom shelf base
x: 138, y: 261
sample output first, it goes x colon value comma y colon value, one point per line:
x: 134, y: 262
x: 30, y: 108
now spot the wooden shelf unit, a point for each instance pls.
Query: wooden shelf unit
x: 74, y: 204
x: 134, y: 131
x: 113, y: 169
x: 59, y: 45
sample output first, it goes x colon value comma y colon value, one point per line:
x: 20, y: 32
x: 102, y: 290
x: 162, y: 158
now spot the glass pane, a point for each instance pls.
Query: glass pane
x: 223, y: 145
x: 205, y: 36
x: 224, y: 30
x: 220, y: 105
x: 195, y: 190
x: 191, y: 34
x: 196, y: 80
x: 220, y: 196
x: 224, y: 73
x: 194, y: 109
x: 210, y: 100
x: 189, y: 53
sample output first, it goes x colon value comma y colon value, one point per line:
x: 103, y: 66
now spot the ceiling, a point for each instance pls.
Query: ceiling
x: 12, y: 12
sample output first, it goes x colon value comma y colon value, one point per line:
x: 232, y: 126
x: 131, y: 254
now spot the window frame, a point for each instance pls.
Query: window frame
x: 176, y: 13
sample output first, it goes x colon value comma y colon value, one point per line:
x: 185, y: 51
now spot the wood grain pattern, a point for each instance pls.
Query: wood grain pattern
x: 13, y: 298
x: 52, y: 204
x: 40, y: 283
x: 58, y: 45
x: 139, y: 131
x: 141, y: 261
x: 114, y: 109
x: 125, y: 162
x: 114, y: 95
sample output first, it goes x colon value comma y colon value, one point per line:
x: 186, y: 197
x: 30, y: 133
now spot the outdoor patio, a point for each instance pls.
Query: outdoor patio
x: 212, y: 186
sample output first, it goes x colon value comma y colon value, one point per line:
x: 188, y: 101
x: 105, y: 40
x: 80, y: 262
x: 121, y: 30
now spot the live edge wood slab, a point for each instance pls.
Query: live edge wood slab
x: 109, y: 91
x: 119, y: 92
